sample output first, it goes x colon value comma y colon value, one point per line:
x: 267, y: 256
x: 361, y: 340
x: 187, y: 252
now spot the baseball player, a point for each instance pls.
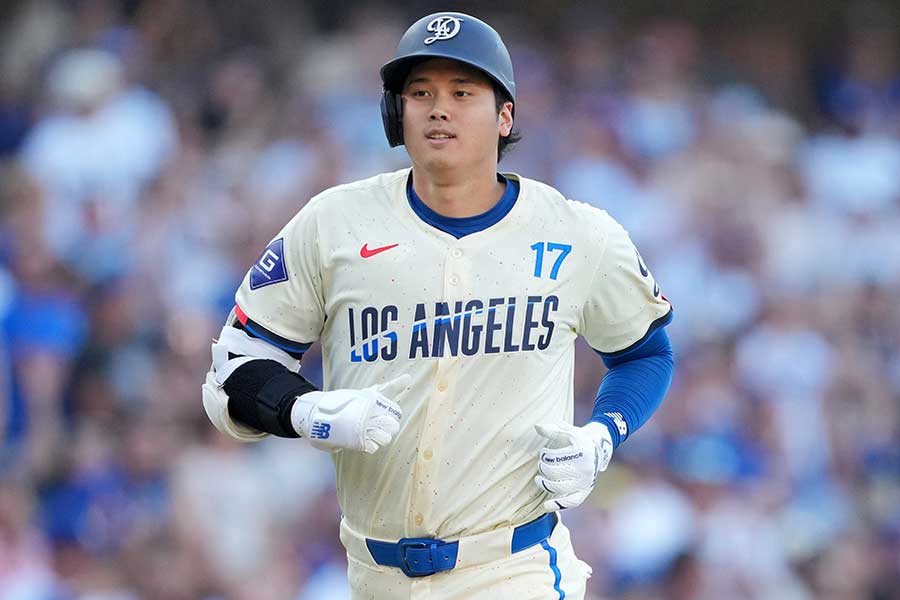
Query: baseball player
x: 447, y: 298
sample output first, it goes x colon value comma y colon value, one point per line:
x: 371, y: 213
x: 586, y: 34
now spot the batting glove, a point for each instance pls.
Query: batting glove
x: 570, y: 462
x: 363, y: 420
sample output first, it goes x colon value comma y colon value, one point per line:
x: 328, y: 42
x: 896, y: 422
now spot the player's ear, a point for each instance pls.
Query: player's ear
x: 505, y: 119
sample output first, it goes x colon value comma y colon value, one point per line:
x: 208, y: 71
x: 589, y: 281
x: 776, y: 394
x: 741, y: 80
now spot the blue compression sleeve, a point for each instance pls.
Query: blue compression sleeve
x: 634, y: 386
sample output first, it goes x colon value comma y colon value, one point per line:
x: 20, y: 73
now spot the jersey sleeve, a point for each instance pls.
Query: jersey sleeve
x: 280, y: 299
x: 624, y: 303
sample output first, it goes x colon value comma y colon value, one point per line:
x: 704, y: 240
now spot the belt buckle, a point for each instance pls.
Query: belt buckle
x: 417, y: 544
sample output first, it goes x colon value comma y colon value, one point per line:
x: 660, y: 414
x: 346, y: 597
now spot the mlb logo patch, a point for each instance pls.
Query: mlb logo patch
x: 270, y: 267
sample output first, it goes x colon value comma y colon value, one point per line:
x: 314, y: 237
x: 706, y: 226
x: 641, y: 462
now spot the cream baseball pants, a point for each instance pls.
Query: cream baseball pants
x: 486, y: 568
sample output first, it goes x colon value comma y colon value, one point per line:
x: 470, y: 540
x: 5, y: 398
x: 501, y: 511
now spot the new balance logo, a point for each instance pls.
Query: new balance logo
x: 320, y: 431
x: 619, y: 420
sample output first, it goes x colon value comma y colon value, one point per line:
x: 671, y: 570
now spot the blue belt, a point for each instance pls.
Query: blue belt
x: 420, y: 557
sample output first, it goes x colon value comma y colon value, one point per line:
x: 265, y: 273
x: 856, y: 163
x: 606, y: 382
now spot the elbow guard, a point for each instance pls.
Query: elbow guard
x: 236, y: 343
x: 215, y: 402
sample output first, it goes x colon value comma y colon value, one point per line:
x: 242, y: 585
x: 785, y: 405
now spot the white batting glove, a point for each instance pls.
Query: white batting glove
x: 363, y: 420
x: 570, y: 462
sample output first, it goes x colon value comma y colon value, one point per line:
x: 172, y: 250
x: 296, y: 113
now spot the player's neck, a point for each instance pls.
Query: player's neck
x: 457, y: 196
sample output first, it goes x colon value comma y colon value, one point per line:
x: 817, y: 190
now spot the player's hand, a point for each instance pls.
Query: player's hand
x: 363, y: 420
x: 569, y: 463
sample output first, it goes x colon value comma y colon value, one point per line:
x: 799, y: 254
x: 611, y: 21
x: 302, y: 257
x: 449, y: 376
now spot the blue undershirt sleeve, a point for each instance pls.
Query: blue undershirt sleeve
x: 634, y: 386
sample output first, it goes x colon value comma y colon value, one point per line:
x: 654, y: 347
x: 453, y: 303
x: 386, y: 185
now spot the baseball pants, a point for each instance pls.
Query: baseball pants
x: 485, y: 570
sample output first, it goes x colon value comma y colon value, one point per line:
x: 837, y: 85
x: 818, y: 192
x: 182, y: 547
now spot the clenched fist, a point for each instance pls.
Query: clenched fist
x: 363, y: 420
x: 569, y: 463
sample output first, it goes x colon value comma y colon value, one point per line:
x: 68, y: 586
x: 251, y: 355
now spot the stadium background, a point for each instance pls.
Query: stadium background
x: 751, y: 148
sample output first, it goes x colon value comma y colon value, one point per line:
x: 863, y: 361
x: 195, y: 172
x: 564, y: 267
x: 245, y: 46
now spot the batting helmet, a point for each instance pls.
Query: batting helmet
x: 452, y: 35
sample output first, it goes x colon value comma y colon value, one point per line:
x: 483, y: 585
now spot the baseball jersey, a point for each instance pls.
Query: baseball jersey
x: 484, y: 324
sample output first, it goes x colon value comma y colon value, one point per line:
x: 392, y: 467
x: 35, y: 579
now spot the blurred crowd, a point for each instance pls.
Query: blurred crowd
x: 149, y: 150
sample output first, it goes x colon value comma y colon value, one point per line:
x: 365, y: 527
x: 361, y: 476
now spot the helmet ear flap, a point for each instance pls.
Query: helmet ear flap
x: 392, y: 116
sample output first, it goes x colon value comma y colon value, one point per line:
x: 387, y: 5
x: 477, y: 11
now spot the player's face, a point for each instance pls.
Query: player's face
x: 450, y: 118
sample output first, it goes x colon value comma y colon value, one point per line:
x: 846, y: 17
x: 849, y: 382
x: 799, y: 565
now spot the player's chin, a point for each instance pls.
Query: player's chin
x: 446, y: 147
x: 440, y: 159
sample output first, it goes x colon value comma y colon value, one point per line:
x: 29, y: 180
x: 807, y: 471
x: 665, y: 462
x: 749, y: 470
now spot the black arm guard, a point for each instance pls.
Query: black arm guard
x: 261, y: 394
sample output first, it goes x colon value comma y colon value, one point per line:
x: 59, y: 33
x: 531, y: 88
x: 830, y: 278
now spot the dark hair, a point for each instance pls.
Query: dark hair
x: 514, y: 136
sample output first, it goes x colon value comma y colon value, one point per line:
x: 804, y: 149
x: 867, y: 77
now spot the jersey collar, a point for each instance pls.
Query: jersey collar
x: 459, y: 227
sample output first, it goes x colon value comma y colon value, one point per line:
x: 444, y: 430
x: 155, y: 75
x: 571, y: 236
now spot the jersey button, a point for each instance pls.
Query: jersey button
x: 456, y: 253
x: 454, y: 279
x: 419, y: 520
x: 442, y: 386
x: 428, y: 454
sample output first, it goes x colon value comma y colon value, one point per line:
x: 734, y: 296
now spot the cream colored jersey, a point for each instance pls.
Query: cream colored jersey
x: 485, y: 325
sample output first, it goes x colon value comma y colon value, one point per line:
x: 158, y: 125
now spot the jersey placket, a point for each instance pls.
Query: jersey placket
x: 440, y: 403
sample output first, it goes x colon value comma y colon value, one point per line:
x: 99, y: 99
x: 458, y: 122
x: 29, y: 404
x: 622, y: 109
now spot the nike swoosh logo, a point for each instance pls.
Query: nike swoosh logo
x: 366, y: 253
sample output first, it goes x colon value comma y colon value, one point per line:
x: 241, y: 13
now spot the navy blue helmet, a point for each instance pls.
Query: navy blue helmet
x: 452, y: 35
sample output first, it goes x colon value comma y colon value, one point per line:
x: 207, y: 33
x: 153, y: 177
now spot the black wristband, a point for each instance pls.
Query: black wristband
x: 261, y: 394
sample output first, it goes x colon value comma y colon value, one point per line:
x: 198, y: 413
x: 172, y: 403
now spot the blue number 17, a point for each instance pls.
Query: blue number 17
x: 551, y: 247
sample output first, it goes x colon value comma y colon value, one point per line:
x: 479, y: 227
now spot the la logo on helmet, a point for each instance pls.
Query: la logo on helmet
x: 443, y: 28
